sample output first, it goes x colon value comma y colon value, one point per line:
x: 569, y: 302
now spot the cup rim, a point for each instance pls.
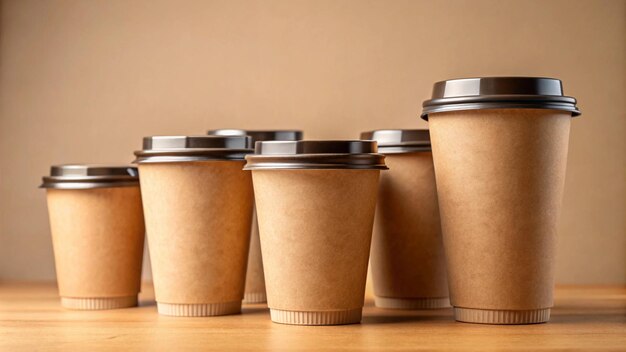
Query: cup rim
x: 396, y: 141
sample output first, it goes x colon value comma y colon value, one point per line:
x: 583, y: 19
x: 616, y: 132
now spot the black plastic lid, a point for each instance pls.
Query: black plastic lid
x: 85, y: 176
x: 321, y: 154
x: 399, y: 141
x: 158, y: 149
x: 260, y: 135
x: 499, y: 93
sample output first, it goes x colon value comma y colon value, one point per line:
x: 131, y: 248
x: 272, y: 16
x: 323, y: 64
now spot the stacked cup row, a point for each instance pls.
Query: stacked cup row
x: 488, y: 194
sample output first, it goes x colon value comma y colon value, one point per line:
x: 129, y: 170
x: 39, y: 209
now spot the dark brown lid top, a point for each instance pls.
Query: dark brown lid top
x: 320, y: 154
x: 499, y: 93
x: 158, y: 149
x: 399, y: 141
x: 84, y: 176
x: 260, y: 135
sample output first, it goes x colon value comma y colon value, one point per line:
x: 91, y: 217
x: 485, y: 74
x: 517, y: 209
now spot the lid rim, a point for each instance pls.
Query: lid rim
x: 190, y: 151
x: 183, y: 159
x: 399, y: 138
x: 401, y: 144
x: 116, y: 178
x: 311, y: 147
x: 92, y: 170
x: 495, y: 106
x: 288, y: 166
x: 366, y: 161
x: 186, y: 155
x: 498, y: 93
x: 508, y: 98
x: 404, y: 150
x: 259, y: 135
x: 87, y: 185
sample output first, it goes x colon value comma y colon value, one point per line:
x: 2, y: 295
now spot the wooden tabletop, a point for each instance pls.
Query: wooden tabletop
x: 585, y: 318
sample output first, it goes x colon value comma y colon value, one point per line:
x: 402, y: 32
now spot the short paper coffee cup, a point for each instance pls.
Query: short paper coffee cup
x: 407, y: 260
x: 255, y: 279
x: 97, y: 226
x: 198, y: 206
x: 315, y: 206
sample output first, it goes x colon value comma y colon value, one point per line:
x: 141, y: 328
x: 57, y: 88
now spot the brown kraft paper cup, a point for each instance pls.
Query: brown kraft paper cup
x: 98, y: 237
x: 198, y: 217
x: 407, y: 261
x: 255, y: 279
x: 315, y: 228
x: 500, y: 176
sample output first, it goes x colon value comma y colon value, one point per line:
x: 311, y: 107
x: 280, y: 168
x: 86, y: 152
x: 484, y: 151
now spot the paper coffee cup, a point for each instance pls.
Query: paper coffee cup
x: 198, y: 208
x: 407, y: 260
x: 96, y: 220
x: 315, y: 205
x: 255, y: 279
x: 500, y: 150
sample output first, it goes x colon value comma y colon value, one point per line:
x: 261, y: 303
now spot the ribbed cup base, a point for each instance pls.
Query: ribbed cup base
x: 412, y: 303
x: 254, y: 297
x: 485, y: 316
x: 98, y: 303
x: 199, y: 310
x: 339, y: 317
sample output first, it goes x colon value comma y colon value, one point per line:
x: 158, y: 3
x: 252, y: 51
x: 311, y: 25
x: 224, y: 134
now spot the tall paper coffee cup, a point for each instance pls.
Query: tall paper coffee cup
x: 97, y: 234
x: 198, y: 214
x: 500, y: 175
x: 315, y: 222
x: 255, y: 279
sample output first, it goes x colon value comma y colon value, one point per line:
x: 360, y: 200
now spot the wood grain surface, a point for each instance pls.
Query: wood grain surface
x: 31, y: 319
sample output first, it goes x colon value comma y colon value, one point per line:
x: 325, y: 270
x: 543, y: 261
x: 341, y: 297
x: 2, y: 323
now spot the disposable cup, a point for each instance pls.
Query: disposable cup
x: 407, y: 260
x: 97, y: 227
x: 255, y: 279
x: 198, y: 208
x: 315, y: 204
x: 500, y: 159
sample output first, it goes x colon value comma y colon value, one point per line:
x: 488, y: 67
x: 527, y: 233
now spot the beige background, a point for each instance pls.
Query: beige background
x: 83, y: 81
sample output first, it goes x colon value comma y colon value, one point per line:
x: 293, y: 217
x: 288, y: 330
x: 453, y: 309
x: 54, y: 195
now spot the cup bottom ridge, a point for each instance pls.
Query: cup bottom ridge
x: 98, y: 303
x: 335, y: 317
x: 254, y: 297
x: 199, y: 309
x: 501, y: 317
